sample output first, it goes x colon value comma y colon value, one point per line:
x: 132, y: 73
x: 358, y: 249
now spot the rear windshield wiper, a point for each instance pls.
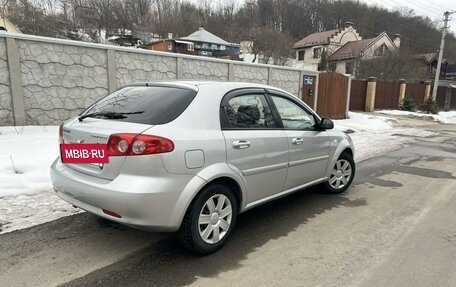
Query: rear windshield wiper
x: 109, y: 115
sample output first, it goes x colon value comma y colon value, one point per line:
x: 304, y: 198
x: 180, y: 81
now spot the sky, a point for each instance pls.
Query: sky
x: 432, y: 8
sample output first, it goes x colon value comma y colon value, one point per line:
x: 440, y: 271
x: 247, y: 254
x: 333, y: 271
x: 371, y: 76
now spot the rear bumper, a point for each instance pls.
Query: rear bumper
x: 147, y: 203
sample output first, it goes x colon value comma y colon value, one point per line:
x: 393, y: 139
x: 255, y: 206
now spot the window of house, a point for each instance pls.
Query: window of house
x: 213, y: 47
x: 317, y: 52
x: 301, y: 55
x: 190, y: 47
x: 332, y: 66
x: 381, y: 51
x: 222, y: 47
x: 170, y: 46
x: 349, y: 67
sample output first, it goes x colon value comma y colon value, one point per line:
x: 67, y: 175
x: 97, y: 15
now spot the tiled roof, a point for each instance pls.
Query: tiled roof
x: 205, y: 37
x: 351, y: 49
x: 316, y: 39
x: 428, y: 57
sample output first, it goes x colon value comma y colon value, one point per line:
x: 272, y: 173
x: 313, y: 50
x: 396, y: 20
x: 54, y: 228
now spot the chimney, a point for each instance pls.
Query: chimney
x: 397, y: 40
x: 349, y: 24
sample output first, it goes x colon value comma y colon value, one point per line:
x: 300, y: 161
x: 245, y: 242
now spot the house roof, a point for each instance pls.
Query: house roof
x: 354, y: 49
x: 351, y: 49
x: 429, y: 57
x: 10, y: 27
x: 205, y: 37
x: 316, y: 39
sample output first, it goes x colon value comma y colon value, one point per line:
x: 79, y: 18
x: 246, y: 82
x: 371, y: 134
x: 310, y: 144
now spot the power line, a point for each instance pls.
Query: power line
x: 433, y: 5
x: 427, y: 8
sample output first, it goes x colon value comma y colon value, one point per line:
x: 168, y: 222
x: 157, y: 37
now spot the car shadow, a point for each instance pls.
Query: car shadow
x: 166, y: 263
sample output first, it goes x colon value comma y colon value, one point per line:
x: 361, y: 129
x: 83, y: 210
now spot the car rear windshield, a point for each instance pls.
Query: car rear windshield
x: 143, y: 104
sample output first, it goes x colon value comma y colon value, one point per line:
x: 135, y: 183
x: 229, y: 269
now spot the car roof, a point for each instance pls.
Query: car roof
x: 194, y: 84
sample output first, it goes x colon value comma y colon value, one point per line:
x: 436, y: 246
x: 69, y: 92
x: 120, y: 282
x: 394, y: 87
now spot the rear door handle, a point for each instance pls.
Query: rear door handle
x: 241, y: 144
x: 297, y: 141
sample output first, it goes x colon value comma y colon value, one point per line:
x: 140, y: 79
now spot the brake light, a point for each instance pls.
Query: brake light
x: 61, y: 141
x: 125, y: 144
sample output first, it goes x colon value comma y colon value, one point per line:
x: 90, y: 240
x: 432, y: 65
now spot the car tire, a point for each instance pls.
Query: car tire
x: 210, y: 220
x: 341, y: 175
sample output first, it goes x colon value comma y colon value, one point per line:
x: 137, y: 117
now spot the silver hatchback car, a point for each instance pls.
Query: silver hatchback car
x: 190, y: 156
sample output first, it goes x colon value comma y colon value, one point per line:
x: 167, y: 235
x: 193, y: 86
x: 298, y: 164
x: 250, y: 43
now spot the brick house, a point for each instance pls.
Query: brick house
x: 172, y: 46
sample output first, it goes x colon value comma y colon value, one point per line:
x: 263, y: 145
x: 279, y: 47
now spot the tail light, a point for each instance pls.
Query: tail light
x: 61, y: 141
x: 134, y: 144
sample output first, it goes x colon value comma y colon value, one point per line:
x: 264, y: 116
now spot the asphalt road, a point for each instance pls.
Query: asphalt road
x: 394, y: 227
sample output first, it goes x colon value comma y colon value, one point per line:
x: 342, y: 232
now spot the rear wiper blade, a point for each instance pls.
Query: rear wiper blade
x: 109, y: 115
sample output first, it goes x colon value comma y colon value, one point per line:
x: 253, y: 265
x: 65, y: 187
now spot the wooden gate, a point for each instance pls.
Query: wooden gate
x: 416, y: 93
x: 387, y: 95
x: 332, y: 95
x: 358, y: 95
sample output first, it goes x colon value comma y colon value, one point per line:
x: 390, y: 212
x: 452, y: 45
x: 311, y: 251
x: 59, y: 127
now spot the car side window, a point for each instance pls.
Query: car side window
x: 293, y: 116
x: 249, y: 112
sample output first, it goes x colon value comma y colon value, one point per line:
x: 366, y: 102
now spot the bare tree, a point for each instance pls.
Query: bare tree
x: 390, y: 67
x: 270, y: 44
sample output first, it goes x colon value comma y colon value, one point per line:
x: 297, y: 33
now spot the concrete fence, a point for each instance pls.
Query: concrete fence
x: 46, y: 80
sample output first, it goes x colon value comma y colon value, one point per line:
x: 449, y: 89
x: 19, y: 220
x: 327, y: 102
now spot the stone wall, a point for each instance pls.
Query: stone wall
x: 136, y: 67
x: 204, y: 70
x: 286, y: 80
x: 253, y: 74
x: 6, y: 105
x: 57, y: 79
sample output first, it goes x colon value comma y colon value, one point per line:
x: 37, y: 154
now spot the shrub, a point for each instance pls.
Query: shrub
x: 430, y: 107
x: 407, y: 104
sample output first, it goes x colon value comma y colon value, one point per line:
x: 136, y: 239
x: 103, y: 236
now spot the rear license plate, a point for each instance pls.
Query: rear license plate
x: 84, y: 153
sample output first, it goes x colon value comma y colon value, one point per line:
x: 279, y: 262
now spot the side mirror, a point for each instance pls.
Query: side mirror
x: 325, y: 124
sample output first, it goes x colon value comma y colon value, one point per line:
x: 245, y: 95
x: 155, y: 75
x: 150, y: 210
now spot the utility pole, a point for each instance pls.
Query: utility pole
x: 442, y: 45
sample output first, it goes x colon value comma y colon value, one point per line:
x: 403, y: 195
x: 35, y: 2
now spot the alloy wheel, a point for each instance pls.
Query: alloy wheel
x: 340, y: 174
x: 215, y: 218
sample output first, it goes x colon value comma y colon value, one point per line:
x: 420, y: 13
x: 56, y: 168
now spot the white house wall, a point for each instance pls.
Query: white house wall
x: 340, y: 39
x: 337, y: 41
x: 340, y: 67
x: 369, y: 52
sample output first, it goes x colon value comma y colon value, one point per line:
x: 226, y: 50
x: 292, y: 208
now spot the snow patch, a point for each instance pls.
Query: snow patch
x: 376, y: 135
x: 26, y: 198
x: 441, y: 117
x: 358, y: 122
x: 27, y: 153
x: 26, y: 210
